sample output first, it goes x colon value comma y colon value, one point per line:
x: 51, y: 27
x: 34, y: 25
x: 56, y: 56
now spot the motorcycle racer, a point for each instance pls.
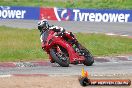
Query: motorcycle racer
x: 44, y: 27
x: 62, y: 46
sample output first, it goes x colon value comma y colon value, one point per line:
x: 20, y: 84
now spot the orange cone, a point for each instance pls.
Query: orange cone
x: 86, y: 74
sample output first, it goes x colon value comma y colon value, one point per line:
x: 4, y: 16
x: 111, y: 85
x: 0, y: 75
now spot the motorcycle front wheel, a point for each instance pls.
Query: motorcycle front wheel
x: 61, y: 58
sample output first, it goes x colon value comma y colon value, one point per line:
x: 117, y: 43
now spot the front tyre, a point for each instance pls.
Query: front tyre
x: 61, y: 59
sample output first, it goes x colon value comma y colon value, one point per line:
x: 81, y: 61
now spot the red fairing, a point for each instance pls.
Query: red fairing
x: 62, y: 50
x: 58, y: 40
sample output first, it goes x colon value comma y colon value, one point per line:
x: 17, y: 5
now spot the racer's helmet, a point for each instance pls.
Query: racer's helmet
x: 43, y: 25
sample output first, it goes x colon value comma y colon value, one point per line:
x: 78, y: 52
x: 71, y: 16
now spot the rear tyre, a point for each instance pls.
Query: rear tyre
x: 62, y: 60
x: 89, y: 60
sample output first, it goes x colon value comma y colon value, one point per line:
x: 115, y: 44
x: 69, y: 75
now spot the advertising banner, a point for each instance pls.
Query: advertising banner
x: 91, y: 15
x: 65, y: 14
x: 47, y: 13
x: 14, y: 12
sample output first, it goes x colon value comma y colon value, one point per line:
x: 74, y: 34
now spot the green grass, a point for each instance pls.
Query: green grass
x: 23, y: 44
x: 112, y: 4
x: 104, y: 45
x: 19, y: 44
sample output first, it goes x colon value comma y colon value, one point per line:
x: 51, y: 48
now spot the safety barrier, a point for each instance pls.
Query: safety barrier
x: 15, y: 12
x: 65, y: 14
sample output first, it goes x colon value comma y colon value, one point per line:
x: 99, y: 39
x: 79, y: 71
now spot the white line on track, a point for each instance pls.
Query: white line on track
x: 2, y: 76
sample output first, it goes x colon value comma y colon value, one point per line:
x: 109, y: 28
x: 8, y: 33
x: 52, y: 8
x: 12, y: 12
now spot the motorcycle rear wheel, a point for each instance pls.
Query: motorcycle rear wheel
x: 89, y: 59
x: 61, y: 60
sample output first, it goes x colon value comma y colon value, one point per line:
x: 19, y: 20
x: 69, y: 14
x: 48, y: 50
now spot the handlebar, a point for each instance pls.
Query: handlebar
x: 61, y: 33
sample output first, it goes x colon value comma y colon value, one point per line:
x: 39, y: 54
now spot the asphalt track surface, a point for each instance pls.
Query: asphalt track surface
x: 116, y: 28
x: 98, y: 68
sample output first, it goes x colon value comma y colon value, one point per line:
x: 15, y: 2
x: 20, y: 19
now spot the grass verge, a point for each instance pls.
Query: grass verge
x: 112, y: 4
x: 23, y: 44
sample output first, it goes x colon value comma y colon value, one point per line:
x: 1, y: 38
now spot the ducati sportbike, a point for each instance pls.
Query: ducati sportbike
x: 62, y: 51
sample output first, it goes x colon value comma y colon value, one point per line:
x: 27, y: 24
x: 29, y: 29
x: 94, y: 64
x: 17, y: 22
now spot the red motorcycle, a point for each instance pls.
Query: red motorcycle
x: 63, y: 52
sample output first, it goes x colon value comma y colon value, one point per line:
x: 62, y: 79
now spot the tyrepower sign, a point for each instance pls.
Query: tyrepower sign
x: 65, y: 14
x: 7, y: 12
x: 101, y: 15
x: 92, y: 15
